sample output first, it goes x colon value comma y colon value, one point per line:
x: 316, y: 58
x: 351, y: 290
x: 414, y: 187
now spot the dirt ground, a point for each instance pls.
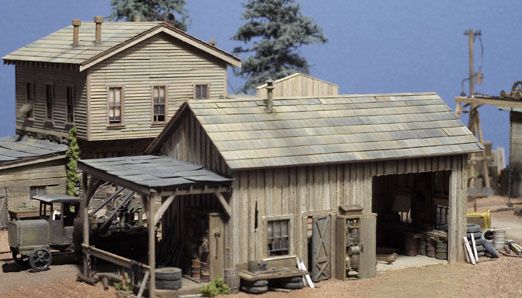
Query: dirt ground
x: 489, y: 278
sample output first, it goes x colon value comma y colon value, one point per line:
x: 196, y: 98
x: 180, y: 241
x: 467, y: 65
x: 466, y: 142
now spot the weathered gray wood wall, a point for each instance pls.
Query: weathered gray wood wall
x: 296, y: 193
x: 60, y: 77
x: 19, y: 180
x: 160, y: 60
x: 300, y: 85
x: 515, y: 154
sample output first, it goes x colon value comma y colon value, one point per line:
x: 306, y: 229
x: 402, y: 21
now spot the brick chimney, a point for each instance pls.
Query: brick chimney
x: 98, y: 20
x: 76, y: 32
x: 269, y: 96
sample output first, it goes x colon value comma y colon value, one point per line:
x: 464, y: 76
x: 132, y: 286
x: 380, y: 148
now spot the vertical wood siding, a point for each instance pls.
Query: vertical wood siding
x: 295, y: 193
x: 160, y: 60
x: 301, y: 85
x: 61, y: 78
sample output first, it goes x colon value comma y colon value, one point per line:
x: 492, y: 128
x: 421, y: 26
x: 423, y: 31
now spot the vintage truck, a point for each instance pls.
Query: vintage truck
x: 31, y: 240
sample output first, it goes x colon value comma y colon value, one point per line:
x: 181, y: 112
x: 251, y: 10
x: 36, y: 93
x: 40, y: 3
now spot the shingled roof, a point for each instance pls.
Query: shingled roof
x: 116, y: 37
x: 14, y: 150
x: 308, y: 131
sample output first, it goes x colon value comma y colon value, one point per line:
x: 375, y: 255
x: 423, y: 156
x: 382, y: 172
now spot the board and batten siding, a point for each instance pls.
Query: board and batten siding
x: 299, y: 85
x: 295, y: 193
x: 158, y: 61
x: 18, y: 181
x: 61, y: 78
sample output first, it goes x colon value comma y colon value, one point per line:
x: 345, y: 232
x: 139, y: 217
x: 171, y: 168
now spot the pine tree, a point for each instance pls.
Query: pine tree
x: 274, y: 30
x: 150, y: 10
x: 73, y: 155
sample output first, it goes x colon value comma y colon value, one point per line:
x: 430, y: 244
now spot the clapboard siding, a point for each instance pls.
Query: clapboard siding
x: 160, y: 60
x: 19, y: 180
x: 61, y: 77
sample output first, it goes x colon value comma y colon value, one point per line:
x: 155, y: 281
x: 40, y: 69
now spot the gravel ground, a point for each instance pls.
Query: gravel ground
x: 486, y: 279
x: 489, y: 278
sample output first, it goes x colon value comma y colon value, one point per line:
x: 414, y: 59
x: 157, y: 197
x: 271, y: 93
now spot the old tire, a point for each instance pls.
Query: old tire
x: 476, y: 235
x: 20, y: 259
x: 490, y: 249
x: 254, y: 290
x: 255, y: 283
x: 40, y: 259
x: 168, y: 273
x: 473, y: 228
x: 291, y: 285
x: 168, y: 284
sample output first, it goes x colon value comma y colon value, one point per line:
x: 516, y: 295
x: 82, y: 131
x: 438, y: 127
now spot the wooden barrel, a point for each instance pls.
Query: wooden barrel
x: 410, y: 245
x: 232, y: 279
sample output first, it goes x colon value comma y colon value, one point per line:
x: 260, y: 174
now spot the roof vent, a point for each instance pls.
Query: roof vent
x: 76, y: 32
x: 212, y: 42
x: 98, y: 20
x: 269, y: 96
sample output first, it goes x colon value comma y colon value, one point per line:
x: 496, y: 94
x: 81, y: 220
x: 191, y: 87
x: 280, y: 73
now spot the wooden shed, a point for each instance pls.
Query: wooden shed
x: 400, y: 157
x: 30, y: 167
x: 299, y: 84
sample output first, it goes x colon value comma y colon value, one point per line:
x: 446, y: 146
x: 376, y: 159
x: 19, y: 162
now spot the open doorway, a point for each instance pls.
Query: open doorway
x: 412, y: 216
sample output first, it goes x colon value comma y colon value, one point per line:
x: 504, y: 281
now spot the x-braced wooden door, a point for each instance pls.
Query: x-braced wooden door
x: 321, y: 237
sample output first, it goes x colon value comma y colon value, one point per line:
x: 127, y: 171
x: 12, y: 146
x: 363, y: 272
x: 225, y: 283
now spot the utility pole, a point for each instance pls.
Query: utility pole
x: 474, y: 121
x: 471, y: 46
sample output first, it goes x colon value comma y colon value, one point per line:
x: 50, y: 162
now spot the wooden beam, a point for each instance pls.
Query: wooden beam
x: 110, y: 257
x: 85, y: 217
x: 195, y: 191
x: 163, y: 208
x: 494, y: 101
x: 31, y: 162
x: 224, y: 203
x: 152, y: 245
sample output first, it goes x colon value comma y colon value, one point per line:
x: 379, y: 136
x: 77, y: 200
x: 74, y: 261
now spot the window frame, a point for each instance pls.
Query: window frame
x: 36, y: 188
x: 165, y: 103
x: 289, y: 236
x: 122, y: 106
x: 53, y: 99
x: 196, y: 91
x: 30, y: 92
x: 72, y: 112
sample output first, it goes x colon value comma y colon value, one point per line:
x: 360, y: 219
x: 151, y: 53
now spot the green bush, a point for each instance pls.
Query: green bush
x: 216, y: 287
x: 73, y: 155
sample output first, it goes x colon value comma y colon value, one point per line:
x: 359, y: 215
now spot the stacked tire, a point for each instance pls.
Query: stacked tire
x: 474, y: 231
x: 290, y: 283
x: 254, y: 287
x: 441, y: 250
x: 168, y: 278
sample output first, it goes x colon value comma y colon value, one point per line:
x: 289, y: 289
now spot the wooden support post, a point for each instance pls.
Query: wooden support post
x: 224, y: 203
x: 152, y: 245
x: 453, y: 221
x: 85, y: 217
x: 163, y: 208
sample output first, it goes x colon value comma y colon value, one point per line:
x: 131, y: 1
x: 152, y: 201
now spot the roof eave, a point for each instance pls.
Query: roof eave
x: 222, y: 55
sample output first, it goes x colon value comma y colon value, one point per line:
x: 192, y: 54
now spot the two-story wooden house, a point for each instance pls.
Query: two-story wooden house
x: 117, y: 82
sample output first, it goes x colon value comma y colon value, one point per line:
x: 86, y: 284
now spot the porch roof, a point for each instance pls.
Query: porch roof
x: 149, y: 173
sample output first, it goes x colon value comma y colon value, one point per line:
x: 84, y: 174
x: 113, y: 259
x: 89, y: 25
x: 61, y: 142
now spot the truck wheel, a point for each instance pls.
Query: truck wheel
x: 20, y: 260
x: 40, y: 259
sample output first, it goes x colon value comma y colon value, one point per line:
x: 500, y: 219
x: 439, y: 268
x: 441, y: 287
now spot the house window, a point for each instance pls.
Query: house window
x: 49, y: 101
x: 158, y: 97
x: 37, y: 191
x: 30, y: 98
x: 115, y: 105
x: 278, y: 237
x: 71, y: 98
x: 201, y: 91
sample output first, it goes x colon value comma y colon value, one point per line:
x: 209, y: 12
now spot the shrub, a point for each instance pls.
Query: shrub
x: 216, y: 287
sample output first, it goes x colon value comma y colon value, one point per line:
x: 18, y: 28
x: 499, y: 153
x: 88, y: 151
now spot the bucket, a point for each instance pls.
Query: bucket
x: 232, y: 279
x: 410, y: 245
